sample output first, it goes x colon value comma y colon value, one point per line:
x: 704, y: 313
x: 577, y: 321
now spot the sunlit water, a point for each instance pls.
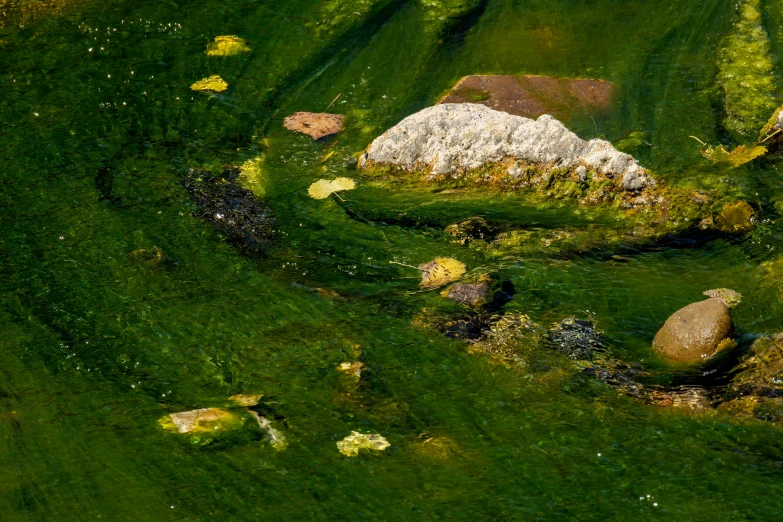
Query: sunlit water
x: 99, y: 127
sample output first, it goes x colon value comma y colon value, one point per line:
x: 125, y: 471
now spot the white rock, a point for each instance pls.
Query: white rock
x: 460, y: 137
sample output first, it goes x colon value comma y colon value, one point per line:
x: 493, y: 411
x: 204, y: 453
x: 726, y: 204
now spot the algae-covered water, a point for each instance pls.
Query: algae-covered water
x: 98, y: 131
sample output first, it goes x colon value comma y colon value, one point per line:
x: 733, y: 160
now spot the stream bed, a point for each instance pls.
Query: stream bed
x: 123, y: 299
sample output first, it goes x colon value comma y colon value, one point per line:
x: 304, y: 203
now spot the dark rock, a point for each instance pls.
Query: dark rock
x: 472, y: 229
x: 696, y: 332
x: 576, y: 338
x: 232, y: 210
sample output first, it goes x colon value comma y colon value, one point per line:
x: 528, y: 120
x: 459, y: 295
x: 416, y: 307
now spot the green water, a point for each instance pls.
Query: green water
x: 95, y: 348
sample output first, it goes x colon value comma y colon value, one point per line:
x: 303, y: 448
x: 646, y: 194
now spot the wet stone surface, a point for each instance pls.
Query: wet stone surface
x: 576, y: 338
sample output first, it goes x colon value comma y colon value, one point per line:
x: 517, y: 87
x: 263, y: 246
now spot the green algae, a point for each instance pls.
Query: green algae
x: 746, y: 73
x: 95, y: 343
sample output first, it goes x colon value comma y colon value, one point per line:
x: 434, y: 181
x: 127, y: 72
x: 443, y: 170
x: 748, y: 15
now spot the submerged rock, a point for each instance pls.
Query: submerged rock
x: 683, y: 397
x: 204, y: 420
x: 232, y: 210
x: 276, y: 439
x: 472, y: 294
x: 456, y: 138
x: 507, y: 337
x: 149, y: 257
x: 532, y: 96
x: 471, y: 230
x: 760, y: 371
x: 696, y: 332
x: 576, y: 338
x: 246, y: 399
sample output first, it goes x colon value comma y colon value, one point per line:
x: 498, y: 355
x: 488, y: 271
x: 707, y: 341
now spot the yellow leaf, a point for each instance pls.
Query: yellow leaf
x: 351, y: 444
x: 323, y: 188
x: 735, y: 158
x: 251, y: 176
x: 212, y: 83
x: 227, y: 46
x: 440, y: 271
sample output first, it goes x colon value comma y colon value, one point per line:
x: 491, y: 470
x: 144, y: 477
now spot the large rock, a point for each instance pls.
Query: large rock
x: 456, y: 138
x: 696, y: 332
x: 532, y: 96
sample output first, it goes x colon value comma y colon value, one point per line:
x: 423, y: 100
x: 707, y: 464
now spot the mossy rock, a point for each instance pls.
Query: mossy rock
x: 760, y: 371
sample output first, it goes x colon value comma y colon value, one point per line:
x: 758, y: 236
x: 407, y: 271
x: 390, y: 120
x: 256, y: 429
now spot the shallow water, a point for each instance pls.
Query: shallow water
x: 99, y: 127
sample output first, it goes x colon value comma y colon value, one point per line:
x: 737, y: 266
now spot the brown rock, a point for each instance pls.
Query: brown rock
x: 473, y: 294
x: 314, y: 124
x: 696, y: 332
x: 532, y: 96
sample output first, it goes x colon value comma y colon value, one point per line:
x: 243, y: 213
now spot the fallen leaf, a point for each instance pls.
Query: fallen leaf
x: 323, y: 188
x: 729, y: 297
x: 440, y: 271
x: 213, y: 83
x: 227, y: 46
x: 351, y: 444
x: 738, y: 216
x: 314, y: 124
x: 735, y: 158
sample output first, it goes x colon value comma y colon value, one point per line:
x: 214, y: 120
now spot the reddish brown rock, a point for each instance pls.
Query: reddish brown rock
x: 696, y: 332
x: 532, y: 96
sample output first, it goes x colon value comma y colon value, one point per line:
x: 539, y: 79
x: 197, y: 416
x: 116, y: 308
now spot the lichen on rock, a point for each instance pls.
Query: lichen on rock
x: 451, y: 139
x: 465, y: 146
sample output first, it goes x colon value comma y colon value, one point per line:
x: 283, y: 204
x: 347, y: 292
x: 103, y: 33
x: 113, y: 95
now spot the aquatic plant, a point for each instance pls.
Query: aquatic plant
x: 746, y: 73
